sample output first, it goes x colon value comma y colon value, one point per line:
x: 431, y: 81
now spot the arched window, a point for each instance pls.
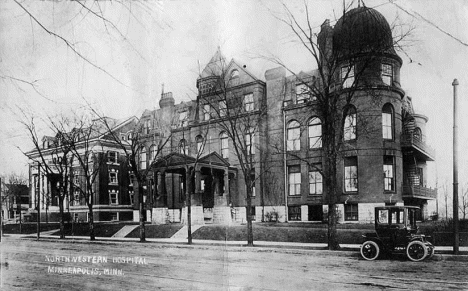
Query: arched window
x: 315, y: 133
x: 200, y: 145
x: 417, y: 134
x: 234, y: 74
x: 293, y: 135
x: 183, y: 147
x: 223, y: 137
x: 249, y: 141
x: 153, y: 151
x: 350, y: 129
x: 387, y: 121
x: 142, y: 158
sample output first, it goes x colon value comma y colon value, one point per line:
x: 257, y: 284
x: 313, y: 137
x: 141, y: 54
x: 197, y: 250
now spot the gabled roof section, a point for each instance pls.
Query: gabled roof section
x: 215, y: 65
x: 119, y: 124
x: 173, y: 159
x: 244, y: 74
x: 214, y: 158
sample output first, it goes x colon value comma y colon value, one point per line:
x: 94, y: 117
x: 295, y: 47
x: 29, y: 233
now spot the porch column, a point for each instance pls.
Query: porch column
x: 197, y: 179
x: 226, y: 182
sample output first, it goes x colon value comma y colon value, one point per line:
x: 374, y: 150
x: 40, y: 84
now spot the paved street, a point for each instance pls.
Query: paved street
x: 48, y: 265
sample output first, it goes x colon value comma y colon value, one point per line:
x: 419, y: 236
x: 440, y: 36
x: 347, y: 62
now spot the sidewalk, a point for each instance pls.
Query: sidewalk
x: 441, y: 253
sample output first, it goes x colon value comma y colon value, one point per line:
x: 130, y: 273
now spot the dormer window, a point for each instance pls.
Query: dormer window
x: 387, y: 74
x: 302, y: 93
x: 146, y: 128
x: 183, y: 118
x: 112, y: 157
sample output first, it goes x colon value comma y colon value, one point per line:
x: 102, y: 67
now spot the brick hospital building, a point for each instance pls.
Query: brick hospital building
x: 382, y: 160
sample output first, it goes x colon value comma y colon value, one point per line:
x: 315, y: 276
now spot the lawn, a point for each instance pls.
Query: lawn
x: 278, y: 232
x: 28, y: 227
x: 157, y: 231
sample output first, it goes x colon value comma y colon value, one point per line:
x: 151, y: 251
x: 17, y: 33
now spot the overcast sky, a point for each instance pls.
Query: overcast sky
x: 144, y: 44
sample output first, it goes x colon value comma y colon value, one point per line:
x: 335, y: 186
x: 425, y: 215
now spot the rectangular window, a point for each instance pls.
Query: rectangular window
x: 302, y: 93
x: 113, y: 199
x: 389, y: 173
x: 249, y: 102
x: 222, y: 108
x: 315, y: 182
x: 347, y: 76
x: 146, y: 129
x: 351, y: 174
x: 294, y: 178
x: 294, y: 213
x: 131, y: 178
x: 131, y: 195
x: 249, y: 142
x: 351, y: 212
x: 183, y: 118
x: 387, y: 74
x: 114, y: 216
x: 112, y: 156
x: 113, y: 178
x: 206, y: 112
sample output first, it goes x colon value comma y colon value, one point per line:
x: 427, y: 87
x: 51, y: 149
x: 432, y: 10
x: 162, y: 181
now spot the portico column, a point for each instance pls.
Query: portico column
x: 226, y: 182
x: 197, y: 180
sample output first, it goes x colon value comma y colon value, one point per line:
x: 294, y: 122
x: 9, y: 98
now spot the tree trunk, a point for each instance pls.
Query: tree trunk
x: 20, y: 222
x: 248, y: 213
x: 91, y: 223
x: 62, y: 227
x: 141, y: 211
x: 188, y: 199
x: 330, y: 148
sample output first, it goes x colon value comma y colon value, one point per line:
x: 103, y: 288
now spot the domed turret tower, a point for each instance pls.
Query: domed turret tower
x: 368, y: 80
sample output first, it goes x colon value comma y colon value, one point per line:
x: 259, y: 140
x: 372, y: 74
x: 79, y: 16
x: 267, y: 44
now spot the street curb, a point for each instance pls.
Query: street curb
x: 347, y: 251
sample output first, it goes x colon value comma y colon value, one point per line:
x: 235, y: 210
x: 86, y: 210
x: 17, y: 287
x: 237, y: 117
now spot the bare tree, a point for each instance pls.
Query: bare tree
x: 16, y: 187
x: 54, y: 159
x: 340, y: 75
x: 239, y: 118
x: 78, y: 137
x: 133, y: 145
x: 464, y: 201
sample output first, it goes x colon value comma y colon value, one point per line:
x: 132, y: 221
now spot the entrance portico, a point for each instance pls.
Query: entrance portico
x: 207, y: 179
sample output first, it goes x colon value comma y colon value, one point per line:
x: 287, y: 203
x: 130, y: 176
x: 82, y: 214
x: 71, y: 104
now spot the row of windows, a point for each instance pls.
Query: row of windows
x: 351, y: 212
x: 248, y: 106
x: 348, y: 75
x: 350, y: 177
x: 314, y: 129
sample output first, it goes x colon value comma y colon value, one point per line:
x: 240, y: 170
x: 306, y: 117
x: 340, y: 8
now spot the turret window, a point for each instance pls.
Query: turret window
x: 389, y: 173
x: 387, y: 74
x: 387, y: 121
x: 350, y: 128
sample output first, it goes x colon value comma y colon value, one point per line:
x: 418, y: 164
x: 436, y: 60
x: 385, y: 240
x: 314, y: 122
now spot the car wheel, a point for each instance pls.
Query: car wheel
x: 416, y: 251
x: 370, y: 250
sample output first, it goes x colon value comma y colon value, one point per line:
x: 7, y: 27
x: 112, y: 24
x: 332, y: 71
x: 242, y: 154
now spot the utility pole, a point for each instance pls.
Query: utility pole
x: 1, y: 210
x: 38, y: 199
x: 455, y: 170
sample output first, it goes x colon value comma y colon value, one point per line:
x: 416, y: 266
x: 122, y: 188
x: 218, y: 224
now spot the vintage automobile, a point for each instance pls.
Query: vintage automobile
x: 396, y: 232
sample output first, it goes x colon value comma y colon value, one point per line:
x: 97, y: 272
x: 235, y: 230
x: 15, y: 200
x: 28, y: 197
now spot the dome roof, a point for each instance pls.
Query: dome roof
x: 362, y: 30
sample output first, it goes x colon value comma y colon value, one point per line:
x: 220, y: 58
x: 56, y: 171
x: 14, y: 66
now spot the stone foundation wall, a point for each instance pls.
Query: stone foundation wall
x: 222, y: 215
x: 196, y: 215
